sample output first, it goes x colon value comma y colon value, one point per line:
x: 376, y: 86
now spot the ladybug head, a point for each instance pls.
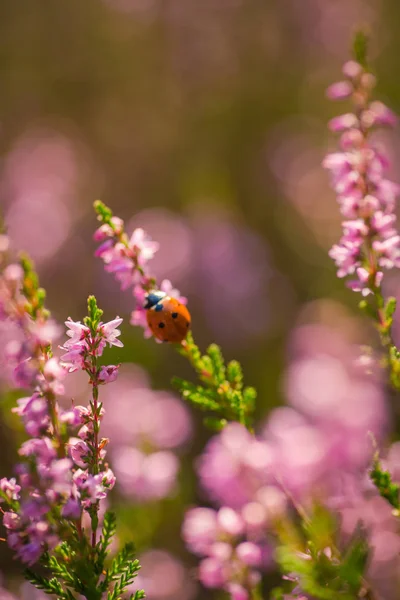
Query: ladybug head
x: 153, y: 298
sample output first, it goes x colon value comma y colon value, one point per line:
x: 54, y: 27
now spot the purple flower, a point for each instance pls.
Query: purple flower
x: 79, y: 451
x: 108, y: 374
x: 11, y: 520
x: 10, y: 488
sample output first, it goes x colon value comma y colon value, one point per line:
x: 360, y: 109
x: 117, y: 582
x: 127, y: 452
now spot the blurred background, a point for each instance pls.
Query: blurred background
x: 204, y: 122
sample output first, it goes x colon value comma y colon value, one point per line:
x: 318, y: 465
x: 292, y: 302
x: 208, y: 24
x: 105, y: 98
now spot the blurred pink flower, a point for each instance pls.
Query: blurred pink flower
x: 40, y: 179
x: 164, y: 577
x: 234, y: 465
x: 145, y: 477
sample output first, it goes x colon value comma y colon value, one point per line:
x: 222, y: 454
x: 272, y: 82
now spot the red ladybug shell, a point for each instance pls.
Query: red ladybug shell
x: 169, y: 320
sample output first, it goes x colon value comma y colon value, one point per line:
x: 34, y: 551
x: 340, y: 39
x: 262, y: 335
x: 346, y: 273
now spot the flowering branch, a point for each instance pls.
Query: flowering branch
x: 59, y: 476
x: 221, y: 390
x: 370, y: 243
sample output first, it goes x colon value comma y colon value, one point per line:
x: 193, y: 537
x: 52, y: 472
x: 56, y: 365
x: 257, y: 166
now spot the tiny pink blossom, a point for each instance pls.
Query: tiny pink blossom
x: 108, y: 374
x: 143, y: 245
x: 339, y: 90
x: 230, y: 521
x: 249, y: 553
x: 110, y: 332
x: 347, y: 121
x: 352, y: 69
x: 212, y: 573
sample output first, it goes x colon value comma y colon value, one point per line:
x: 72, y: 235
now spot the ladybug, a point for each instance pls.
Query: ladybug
x: 168, y: 319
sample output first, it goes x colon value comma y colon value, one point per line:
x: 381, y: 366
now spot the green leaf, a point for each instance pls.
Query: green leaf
x: 390, y: 307
x: 214, y: 423
x: 234, y: 374
x: 108, y: 531
x: 383, y: 482
x: 103, y: 212
x: 217, y: 363
x: 355, y: 559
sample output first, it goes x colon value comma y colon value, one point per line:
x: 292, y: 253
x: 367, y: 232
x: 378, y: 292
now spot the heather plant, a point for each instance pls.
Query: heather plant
x: 308, y: 492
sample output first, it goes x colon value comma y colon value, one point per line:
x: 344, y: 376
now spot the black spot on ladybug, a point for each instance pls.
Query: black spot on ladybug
x: 174, y: 315
x: 161, y: 325
x: 187, y: 324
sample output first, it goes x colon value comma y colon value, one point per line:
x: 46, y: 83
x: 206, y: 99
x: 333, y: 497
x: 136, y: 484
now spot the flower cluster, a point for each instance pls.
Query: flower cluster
x: 233, y: 549
x: 58, y: 474
x: 370, y: 242
x: 44, y: 486
x: 92, y: 478
x: 316, y: 450
x: 127, y: 258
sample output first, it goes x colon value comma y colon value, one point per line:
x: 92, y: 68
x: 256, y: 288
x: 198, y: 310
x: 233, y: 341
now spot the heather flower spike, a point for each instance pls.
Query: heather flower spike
x: 220, y: 392
x: 370, y: 244
x: 62, y: 471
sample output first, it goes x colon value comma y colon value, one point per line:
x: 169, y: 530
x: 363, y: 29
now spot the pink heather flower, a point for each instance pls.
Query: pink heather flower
x: 249, y: 554
x: 108, y: 374
x: 230, y: 521
x: 105, y: 231
x: 221, y: 550
x: 347, y: 121
x: 364, y: 281
x: 237, y: 591
x: 110, y: 332
x: 167, y: 287
x: 143, y: 246
x: 212, y: 573
x: 60, y: 475
x: 74, y: 359
x: 164, y: 577
x: 83, y: 342
x: 11, y: 520
x: 145, y: 477
x: 352, y: 69
x: 365, y: 197
x: 13, y: 274
x: 10, y: 488
x: 77, y: 332
x: 339, y: 90
x: 200, y: 529
x: 71, y: 509
x: 382, y: 115
x: 108, y: 479
x: 46, y: 332
x: 42, y: 448
x: 79, y: 451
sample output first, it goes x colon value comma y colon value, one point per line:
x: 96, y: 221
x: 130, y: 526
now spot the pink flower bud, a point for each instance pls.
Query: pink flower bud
x: 237, y: 591
x: 108, y: 374
x: 352, y: 69
x: 343, y: 122
x: 249, y: 553
x: 212, y: 573
x: 229, y: 521
x: 339, y: 90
